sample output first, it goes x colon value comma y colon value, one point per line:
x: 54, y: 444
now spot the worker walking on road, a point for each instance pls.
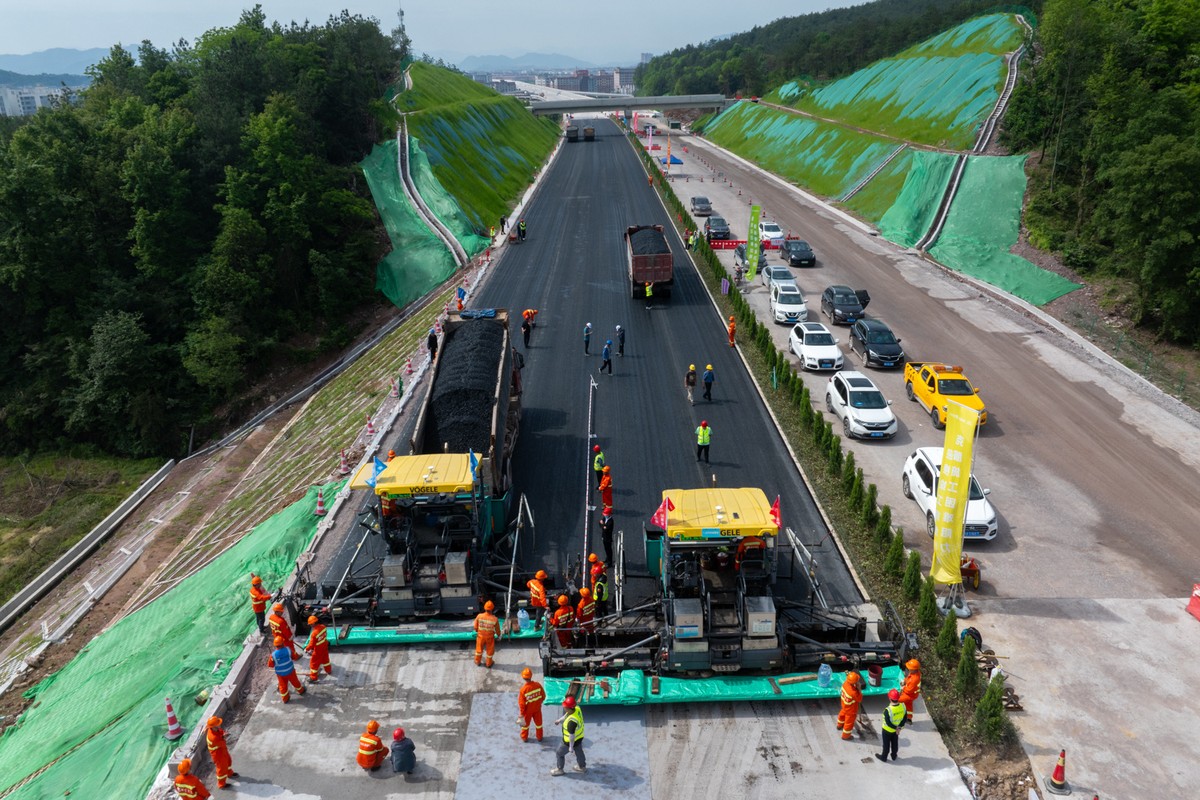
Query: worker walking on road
x: 893, y: 721
x: 598, y: 463
x: 649, y: 295
x: 689, y: 382
x: 587, y: 338
x: 709, y: 378
x: 703, y: 439
x: 911, y: 689
x: 188, y: 785
x: 606, y: 531
x: 317, y: 648
x: 572, y: 733
x: 487, y: 628
x: 606, y: 354
x: 259, y: 597
x: 404, y: 753
x: 431, y: 343
x: 371, y: 751
x: 606, y: 486
x: 218, y: 751
x: 600, y: 593
x: 537, y: 597
x: 529, y: 701
x: 620, y: 341
x: 285, y: 669
x: 851, y: 700
x: 564, y: 621
x: 732, y: 329
x: 280, y: 628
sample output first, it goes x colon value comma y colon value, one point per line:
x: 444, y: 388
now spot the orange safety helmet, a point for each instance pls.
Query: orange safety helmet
x: 313, y: 621
x: 541, y: 575
x: 569, y: 702
x: 853, y: 677
x: 893, y: 695
x: 585, y: 592
x: 607, y: 469
x: 279, y: 641
x: 489, y: 606
x: 391, y: 454
x: 913, y: 664
x: 257, y: 581
x: 277, y: 607
x: 593, y: 558
x: 185, y: 766
x: 562, y: 600
x: 731, y: 317
x: 372, y: 726
x: 398, y: 734
x: 527, y: 673
x: 214, y: 722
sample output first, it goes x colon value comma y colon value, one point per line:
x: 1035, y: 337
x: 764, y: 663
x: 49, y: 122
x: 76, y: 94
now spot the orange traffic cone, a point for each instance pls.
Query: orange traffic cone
x: 408, y: 366
x: 344, y: 466
x: 394, y: 392
x: 370, y: 426
x: 1057, y: 783
x: 174, y: 729
x: 320, y: 512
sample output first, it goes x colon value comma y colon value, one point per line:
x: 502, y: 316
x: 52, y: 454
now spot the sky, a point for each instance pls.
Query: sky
x: 602, y: 32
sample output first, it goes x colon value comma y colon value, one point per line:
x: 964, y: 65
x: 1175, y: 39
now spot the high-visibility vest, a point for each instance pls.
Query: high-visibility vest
x: 279, y: 626
x: 575, y: 716
x: 587, y: 609
x: 598, y: 461
x: 537, y: 593
x: 850, y: 695
x: 600, y: 587
x: 893, y: 716
x: 564, y: 617
x: 188, y: 786
x: 703, y: 434
x: 369, y: 744
x: 283, y: 662
x: 486, y: 624
x: 532, y: 693
x: 317, y: 637
x: 258, y: 599
x: 215, y: 741
x: 649, y: 290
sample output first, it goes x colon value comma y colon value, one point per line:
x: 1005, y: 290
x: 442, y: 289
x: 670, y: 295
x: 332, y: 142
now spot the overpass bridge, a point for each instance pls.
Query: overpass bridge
x: 629, y: 104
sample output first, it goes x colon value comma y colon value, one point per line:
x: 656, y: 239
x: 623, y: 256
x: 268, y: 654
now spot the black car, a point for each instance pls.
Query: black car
x: 701, y: 207
x: 739, y: 256
x: 797, y: 253
x: 716, y: 228
x: 875, y: 343
x: 844, y: 305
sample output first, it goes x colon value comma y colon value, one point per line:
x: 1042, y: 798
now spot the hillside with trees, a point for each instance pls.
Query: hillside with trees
x: 196, y: 220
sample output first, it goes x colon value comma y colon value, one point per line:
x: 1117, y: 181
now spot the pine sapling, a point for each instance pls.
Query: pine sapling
x: 966, y: 680
x: 894, y: 559
x: 928, y: 618
x: 991, y: 720
x: 912, y: 576
x: 869, y: 510
x: 947, y: 645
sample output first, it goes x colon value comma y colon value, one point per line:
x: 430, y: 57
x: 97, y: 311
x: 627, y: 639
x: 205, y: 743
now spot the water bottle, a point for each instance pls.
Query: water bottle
x: 524, y: 621
x: 824, y: 675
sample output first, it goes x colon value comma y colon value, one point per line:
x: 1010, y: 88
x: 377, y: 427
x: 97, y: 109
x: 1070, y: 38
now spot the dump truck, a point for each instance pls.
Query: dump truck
x: 428, y: 541
x: 715, y: 556
x: 589, y: 134
x: 650, y: 260
x: 572, y: 134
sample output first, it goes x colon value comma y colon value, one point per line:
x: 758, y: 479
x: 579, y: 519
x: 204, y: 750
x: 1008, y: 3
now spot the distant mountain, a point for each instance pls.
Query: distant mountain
x: 527, y: 61
x: 17, y: 80
x: 57, y: 60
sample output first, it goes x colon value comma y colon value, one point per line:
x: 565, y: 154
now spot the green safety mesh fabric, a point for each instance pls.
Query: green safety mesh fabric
x: 96, y: 726
x: 438, y: 200
x: 935, y: 93
x: 984, y: 223
x: 873, y: 200
x: 418, y: 260
x: 910, y: 216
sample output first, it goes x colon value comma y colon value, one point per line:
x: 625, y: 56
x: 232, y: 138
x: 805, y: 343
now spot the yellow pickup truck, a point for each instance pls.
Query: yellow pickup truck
x: 933, y: 385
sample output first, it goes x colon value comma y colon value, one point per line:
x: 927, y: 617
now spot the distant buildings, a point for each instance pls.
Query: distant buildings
x: 618, y: 80
x: 24, y: 101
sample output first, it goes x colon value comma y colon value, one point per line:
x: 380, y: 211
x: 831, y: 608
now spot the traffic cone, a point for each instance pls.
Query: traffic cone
x: 370, y: 426
x: 344, y: 466
x: 1057, y: 783
x: 320, y: 512
x: 174, y: 729
x: 408, y: 366
x: 392, y: 384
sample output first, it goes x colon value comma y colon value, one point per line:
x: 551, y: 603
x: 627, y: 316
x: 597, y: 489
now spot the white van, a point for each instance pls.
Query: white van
x: 787, y: 304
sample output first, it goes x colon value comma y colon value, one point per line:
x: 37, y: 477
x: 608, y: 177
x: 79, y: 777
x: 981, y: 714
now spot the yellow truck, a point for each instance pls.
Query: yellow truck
x: 934, y: 385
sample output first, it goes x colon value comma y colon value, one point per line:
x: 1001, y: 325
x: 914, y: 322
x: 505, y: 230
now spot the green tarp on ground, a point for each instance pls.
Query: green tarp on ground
x: 916, y: 206
x: 984, y: 223
x: 439, y: 201
x: 419, y: 261
x: 95, y: 729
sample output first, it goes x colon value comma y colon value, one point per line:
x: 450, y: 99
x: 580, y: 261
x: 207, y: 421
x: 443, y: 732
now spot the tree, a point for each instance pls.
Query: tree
x: 912, y: 576
x: 214, y: 356
x: 895, y: 555
x: 948, y: 644
x: 991, y: 720
x: 966, y: 679
x: 928, y: 618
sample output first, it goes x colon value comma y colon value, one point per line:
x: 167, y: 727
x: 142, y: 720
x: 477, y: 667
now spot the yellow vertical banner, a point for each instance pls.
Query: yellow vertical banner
x: 753, y: 244
x: 953, y: 491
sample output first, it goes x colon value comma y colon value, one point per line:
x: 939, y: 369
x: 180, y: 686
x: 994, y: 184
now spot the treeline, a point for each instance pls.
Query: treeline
x: 819, y: 46
x: 1112, y: 107
x: 194, y: 221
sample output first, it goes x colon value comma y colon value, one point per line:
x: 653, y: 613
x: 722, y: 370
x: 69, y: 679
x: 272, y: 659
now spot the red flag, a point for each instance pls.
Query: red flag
x: 660, y: 517
x: 775, y: 513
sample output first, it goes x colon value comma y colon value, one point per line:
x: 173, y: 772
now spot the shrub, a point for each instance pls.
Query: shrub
x: 883, y: 526
x: 912, y: 576
x: 855, y: 499
x: 895, y: 555
x: 991, y: 720
x: 869, y: 511
x: 928, y: 618
x: 947, y: 645
x: 966, y: 680
x: 848, y: 467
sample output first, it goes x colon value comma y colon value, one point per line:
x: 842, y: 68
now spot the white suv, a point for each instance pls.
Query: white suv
x: 815, y: 346
x: 865, y: 413
x: 919, y: 482
x: 787, y: 304
x: 770, y: 232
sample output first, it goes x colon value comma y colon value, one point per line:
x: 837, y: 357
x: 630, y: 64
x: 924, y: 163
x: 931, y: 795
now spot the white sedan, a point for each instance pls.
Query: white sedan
x: 919, y: 482
x: 815, y: 346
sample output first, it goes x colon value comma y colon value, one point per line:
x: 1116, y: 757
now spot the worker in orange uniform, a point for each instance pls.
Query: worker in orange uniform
x: 188, y: 785
x: 371, y: 751
x: 259, y: 597
x: 487, y: 628
x: 585, y: 612
x: 564, y: 621
x: 537, y: 597
x: 218, y: 751
x: 285, y: 669
x: 732, y: 329
x: 911, y: 689
x: 529, y: 700
x: 597, y: 568
x: 317, y: 648
x: 606, y: 486
x: 281, y: 629
x: 851, y: 700
x: 530, y: 316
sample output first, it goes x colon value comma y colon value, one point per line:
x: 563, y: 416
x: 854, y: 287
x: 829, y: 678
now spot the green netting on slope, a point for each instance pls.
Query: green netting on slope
x: 96, y: 726
x: 873, y: 200
x: 419, y: 261
x: 937, y: 93
x: 438, y: 200
x: 825, y: 158
x: 912, y: 213
x: 984, y: 223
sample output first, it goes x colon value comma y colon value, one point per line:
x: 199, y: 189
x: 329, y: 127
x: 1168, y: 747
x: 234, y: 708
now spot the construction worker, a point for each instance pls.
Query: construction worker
x: 259, y: 597
x: 732, y: 329
x: 526, y: 329
x: 487, y: 627
x: 585, y: 611
x: 529, y: 701
x: 851, y: 700
x: 597, y: 567
x: 598, y: 463
x: 572, y: 733
x: 708, y: 379
x: 649, y: 295
x: 188, y: 785
x: 606, y: 355
x: 218, y: 751
x: 911, y: 689
x: 606, y: 531
x: 317, y: 648
x: 600, y: 593
x: 703, y: 440
x: 371, y: 751
x: 521, y: 229
x: 530, y: 316
x: 537, y: 597
x: 894, y: 718
x: 606, y: 485
x: 404, y: 753
x: 285, y: 668
x: 587, y: 338
x: 689, y: 382
x: 431, y: 344
x: 564, y: 621
x: 620, y: 341
x: 391, y: 455
x: 280, y: 628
